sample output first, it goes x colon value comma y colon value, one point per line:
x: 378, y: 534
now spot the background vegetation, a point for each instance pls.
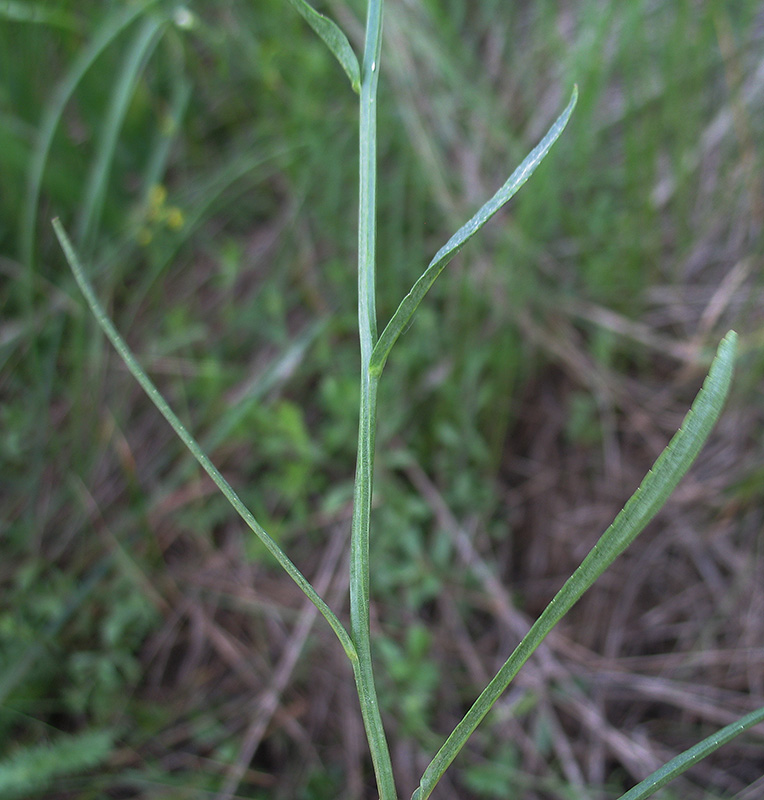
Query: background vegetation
x: 204, y: 157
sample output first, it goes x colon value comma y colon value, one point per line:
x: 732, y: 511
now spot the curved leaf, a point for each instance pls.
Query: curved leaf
x: 644, y: 504
x: 409, y: 304
x: 334, y: 39
x: 138, y: 53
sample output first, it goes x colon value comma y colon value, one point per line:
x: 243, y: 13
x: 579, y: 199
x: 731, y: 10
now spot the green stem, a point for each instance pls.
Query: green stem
x: 367, y: 323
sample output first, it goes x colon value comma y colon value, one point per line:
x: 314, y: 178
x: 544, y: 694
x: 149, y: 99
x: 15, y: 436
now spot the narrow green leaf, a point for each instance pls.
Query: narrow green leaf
x: 121, y: 93
x: 643, y: 505
x: 334, y: 39
x: 409, y: 304
x: 107, y: 32
x: 154, y: 395
x: 684, y: 761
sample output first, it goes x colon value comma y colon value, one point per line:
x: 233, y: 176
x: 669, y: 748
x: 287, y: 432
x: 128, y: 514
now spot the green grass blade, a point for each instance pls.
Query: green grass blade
x: 409, y: 304
x: 169, y: 129
x: 138, y: 52
x: 334, y: 39
x: 643, y: 505
x: 684, y: 761
x: 112, y: 27
x: 154, y: 395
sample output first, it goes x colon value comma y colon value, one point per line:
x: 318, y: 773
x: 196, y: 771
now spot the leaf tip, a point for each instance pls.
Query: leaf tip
x: 727, y: 347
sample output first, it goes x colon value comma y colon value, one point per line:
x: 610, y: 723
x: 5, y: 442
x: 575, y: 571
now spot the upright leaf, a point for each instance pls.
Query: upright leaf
x: 644, y: 504
x: 334, y: 39
x: 410, y: 302
x: 679, y: 764
x: 106, y: 33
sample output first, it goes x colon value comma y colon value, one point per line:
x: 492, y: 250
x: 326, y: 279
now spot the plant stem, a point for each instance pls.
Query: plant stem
x: 367, y: 324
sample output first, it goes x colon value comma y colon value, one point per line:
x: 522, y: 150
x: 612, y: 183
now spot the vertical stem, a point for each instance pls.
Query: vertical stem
x: 367, y: 212
x: 367, y: 323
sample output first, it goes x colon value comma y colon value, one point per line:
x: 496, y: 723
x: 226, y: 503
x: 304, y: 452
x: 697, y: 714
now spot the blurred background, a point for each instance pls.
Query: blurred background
x: 203, y: 158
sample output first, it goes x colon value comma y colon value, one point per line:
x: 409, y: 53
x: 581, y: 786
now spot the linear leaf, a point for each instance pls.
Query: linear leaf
x: 334, y: 39
x: 643, y: 505
x: 155, y: 396
x: 121, y: 94
x: 107, y: 32
x: 409, y: 304
x: 684, y: 761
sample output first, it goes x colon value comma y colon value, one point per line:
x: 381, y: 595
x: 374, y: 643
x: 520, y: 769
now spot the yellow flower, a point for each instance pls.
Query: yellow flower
x: 174, y: 218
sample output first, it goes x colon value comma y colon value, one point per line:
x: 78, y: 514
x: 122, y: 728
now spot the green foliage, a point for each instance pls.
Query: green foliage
x: 643, y: 505
x: 412, y: 564
x: 583, y: 423
x: 221, y: 141
x: 495, y: 778
x: 413, y: 679
x: 33, y: 769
